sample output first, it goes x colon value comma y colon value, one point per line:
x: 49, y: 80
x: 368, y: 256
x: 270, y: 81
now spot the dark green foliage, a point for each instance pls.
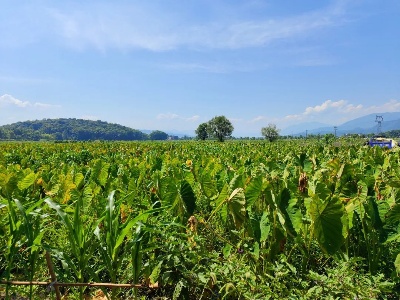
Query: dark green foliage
x: 203, y: 220
x: 69, y: 129
x: 158, y: 135
x: 220, y: 128
x: 201, y: 131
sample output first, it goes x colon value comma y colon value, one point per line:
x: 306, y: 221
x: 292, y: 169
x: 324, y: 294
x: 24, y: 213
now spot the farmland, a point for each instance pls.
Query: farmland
x: 302, y: 219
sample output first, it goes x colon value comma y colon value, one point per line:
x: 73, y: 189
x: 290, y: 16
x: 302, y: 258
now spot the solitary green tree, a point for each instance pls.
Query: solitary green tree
x: 220, y: 127
x: 201, y: 131
x: 270, y: 132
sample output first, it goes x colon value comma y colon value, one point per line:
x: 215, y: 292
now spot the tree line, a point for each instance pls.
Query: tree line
x: 74, y: 130
x: 221, y: 128
x: 63, y: 129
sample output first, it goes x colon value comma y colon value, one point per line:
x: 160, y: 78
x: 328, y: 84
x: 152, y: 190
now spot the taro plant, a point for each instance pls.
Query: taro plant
x: 79, y: 236
x: 116, y: 237
x: 32, y: 232
x: 11, y: 248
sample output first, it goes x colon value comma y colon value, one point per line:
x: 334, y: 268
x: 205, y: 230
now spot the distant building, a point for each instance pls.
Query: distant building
x: 173, y: 137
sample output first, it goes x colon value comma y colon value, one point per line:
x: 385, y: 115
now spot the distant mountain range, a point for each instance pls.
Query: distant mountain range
x: 362, y: 125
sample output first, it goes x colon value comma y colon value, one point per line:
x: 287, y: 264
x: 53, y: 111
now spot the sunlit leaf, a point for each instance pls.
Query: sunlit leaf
x: 327, y: 223
x: 237, y: 209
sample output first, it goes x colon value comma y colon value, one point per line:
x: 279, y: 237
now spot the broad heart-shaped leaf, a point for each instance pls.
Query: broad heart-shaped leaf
x: 294, y: 212
x: 253, y: 228
x: 393, y: 223
x: 236, y: 206
x: 168, y: 191
x: 254, y: 190
x: 318, y: 189
x: 188, y: 197
x: 236, y: 182
x: 100, y: 172
x: 8, y: 183
x: 208, y: 185
x: 27, y: 181
x: 220, y: 203
x: 397, y: 264
x: 327, y: 223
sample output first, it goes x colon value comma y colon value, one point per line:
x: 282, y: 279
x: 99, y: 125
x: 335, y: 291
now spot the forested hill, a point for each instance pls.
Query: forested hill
x: 69, y: 129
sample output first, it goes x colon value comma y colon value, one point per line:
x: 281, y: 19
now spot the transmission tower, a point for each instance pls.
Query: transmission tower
x: 379, y: 120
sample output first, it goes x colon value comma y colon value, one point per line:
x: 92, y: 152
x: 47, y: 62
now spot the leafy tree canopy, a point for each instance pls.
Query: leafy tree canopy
x: 220, y: 127
x: 201, y: 131
x: 270, y: 132
x: 158, y: 135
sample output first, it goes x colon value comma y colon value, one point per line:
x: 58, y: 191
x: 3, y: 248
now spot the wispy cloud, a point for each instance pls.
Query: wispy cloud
x: 171, y: 116
x: 195, y: 67
x: 168, y: 116
x: 258, y: 119
x: 193, y: 118
x: 127, y: 26
x: 390, y: 106
x: 218, y: 68
x: 8, y: 100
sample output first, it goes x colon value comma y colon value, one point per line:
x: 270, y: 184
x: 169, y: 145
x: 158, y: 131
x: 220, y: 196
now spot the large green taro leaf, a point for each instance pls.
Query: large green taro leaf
x: 208, y: 185
x: 168, y: 191
x: 254, y: 190
x: 27, y: 181
x: 393, y: 223
x: 188, y: 197
x: 327, y: 223
x: 397, y: 264
x: 237, y: 207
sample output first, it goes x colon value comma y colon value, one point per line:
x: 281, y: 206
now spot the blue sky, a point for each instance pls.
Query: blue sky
x: 171, y: 65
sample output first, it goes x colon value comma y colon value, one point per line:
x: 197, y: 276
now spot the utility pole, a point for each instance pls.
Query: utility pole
x: 306, y: 132
x: 379, y: 120
x: 335, y: 128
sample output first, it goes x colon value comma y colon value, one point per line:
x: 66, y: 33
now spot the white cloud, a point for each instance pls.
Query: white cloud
x: 193, y: 118
x: 327, y: 105
x: 8, y: 100
x: 258, y: 119
x: 235, y: 120
x: 167, y: 116
x: 170, y: 116
x: 334, y: 111
x: 293, y: 117
x: 390, y: 106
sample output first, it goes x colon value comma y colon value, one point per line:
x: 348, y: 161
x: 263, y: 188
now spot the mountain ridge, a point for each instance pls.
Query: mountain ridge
x: 363, y: 125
